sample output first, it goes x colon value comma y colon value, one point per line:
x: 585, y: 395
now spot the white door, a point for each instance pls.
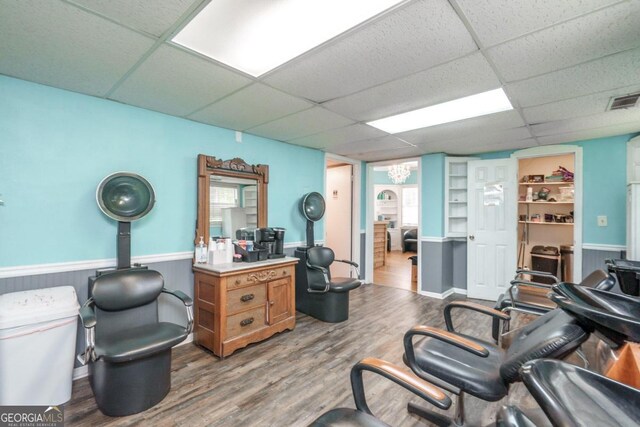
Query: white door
x: 338, y: 217
x: 492, y: 227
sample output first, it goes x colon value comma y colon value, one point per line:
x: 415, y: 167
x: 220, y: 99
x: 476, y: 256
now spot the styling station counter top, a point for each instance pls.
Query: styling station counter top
x: 237, y: 304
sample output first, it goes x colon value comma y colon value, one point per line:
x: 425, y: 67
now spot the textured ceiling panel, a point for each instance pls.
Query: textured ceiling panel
x: 303, y: 123
x: 57, y: 44
x: 390, y: 154
x: 423, y: 34
x: 496, y: 21
x: 455, y: 79
x: 178, y: 83
x: 478, y: 141
x: 249, y: 107
x: 154, y: 17
x: 384, y: 143
x: 607, y: 73
x: 476, y: 126
x: 487, y: 148
x: 595, y: 121
x: 601, y: 33
x: 575, y: 107
x: 351, y: 133
x: 603, y: 132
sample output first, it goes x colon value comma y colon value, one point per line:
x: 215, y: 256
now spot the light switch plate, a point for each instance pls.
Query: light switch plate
x: 602, y: 221
x: 238, y: 136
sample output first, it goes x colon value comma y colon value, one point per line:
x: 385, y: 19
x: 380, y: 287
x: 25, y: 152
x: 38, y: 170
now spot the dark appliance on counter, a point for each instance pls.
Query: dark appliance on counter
x: 273, y: 239
x: 246, y: 233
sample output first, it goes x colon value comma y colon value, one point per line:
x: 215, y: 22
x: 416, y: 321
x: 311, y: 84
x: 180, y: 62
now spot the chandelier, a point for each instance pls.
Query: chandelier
x: 398, y: 174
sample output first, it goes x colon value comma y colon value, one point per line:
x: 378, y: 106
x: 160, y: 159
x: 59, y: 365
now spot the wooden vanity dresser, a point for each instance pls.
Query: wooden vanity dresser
x: 242, y: 303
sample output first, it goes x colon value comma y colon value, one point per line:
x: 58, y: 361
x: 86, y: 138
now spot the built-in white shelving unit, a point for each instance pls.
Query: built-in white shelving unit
x: 250, y: 203
x: 455, y: 203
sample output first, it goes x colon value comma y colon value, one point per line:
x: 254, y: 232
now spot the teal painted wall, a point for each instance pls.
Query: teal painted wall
x: 382, y: 177
x: 57, y: 145
x: 433, y: 195
x: 604, y: 169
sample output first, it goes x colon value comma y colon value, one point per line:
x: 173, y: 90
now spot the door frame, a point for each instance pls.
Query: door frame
x: 578, y: 230
x: 370, y: 209
x: 356, y: 186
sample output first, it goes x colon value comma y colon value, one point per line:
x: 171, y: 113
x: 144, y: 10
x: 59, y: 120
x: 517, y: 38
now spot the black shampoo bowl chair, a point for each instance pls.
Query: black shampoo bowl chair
x: 410, y: 240
x: 362, y: 416
x: 464, y: 364
x: 327, y: 298
x: 127, y: 348
x: 572, y: 396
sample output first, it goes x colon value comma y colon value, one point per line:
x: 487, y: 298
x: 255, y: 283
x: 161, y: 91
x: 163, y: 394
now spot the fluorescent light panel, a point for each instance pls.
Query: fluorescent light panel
x: 257, y: 36
x: 480, y: 104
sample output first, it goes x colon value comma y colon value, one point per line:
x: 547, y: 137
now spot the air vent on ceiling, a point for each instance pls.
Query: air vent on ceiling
x: 627, y: 101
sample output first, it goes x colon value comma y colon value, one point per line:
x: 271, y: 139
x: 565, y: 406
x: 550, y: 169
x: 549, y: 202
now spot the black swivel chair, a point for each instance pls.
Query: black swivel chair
x: 410, y: 240
x: 127, y: 348
x: 464, y: 364
x: 326, y: 298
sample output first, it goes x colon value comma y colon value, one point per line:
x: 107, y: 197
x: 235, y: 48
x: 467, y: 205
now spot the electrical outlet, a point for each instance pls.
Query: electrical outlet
x: 602, y: 221
x: 238, y: 136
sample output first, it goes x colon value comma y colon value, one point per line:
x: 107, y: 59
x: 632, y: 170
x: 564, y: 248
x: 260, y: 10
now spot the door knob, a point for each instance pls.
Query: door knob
x: 472, y: 237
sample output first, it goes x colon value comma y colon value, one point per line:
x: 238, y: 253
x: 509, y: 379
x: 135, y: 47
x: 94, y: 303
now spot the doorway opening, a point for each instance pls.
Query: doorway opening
x: 395, y: 217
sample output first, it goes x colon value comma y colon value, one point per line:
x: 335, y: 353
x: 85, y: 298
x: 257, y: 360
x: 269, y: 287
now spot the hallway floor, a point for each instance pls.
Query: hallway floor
x: 396, y: 272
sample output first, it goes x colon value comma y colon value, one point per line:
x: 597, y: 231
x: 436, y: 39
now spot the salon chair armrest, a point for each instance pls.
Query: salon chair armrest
x: 188, y: 303
x: 419, y: 387
x: 354, y: 265
x: 522, y: 271
x: 448, y: 337
x: 474, y: 307
x: 88, y: 319
x: 325, y: 274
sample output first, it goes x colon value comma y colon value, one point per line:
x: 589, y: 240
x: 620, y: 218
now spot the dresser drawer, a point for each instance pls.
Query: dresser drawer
x: 246, y: 322
x: 260, y: 276
x: 249, y: 296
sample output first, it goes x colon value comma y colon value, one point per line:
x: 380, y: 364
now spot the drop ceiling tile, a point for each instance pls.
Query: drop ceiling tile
x: 575, y: 107
x: 154, y: 17
x: 478, y: 141
x: 603, y: 132
x: 601, y: 33
x: 615, y: 71
x: 57, y: 44
x: 495, y: 21
x: 388, y: 154
x: 385, y: 143
x: 249, y: 107
x: 352, y: 133
x: 475, y: 126
x: 455, y: 79
x: 177, y: 83
x: 488, y: 148
x: 414, y: 37
x: 303, y: 123
x: 610, y: 118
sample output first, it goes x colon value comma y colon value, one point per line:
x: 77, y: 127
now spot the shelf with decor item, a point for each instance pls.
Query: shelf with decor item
x: 455, y: 207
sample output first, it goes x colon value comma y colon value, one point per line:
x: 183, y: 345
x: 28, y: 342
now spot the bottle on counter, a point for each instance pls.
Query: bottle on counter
x: 211, y: 251
x: 201, y: 252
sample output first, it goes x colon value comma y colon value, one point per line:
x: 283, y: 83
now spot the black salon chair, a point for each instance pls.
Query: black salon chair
x: 127, y: 348
x: 362, y: 415
x: 410, y: 240
x: 327, y: 297
x: 573, y: 396
x: 464, y: 364
x: 538, y: 304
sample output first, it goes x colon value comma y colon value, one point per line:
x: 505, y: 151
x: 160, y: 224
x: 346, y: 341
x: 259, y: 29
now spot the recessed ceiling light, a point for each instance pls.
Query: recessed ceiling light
x: 480, y: 104
x: 257, y: 36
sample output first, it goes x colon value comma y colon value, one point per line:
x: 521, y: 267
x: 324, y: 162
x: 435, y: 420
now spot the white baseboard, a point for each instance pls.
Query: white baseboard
x: 444, y: 294
x: 83, y: 371
x: 459, y: 291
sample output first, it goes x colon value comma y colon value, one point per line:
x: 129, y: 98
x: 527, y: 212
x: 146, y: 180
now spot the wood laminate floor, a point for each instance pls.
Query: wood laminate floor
x: 396, y: 272
x: 295, y: 376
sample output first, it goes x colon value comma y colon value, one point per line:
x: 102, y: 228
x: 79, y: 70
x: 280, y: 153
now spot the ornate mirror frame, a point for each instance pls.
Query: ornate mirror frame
x: 238, y: 168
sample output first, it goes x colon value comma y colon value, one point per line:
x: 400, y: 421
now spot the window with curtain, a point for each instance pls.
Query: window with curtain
x: 222, y: 196
x: 410, y: 206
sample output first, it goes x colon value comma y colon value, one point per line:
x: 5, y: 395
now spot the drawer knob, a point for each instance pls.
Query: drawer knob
x: 237, y: 281
x: 284, y: 273
x: 246, y: 322
x: 248, y: 297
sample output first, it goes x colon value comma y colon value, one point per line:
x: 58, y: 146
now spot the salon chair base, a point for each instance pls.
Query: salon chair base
x: 129, y: 388
x: 330, y: 307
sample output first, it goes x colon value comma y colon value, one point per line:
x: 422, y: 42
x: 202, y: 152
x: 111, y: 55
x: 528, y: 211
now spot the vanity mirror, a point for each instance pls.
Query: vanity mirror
x: 231, y: 195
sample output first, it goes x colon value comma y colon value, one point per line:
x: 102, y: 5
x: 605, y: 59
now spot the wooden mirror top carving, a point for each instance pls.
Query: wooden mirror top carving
x: 209, y: 166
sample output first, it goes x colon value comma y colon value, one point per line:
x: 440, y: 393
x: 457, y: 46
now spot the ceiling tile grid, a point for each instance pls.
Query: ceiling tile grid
x: 250, y: 107
x: 389, y: 142
x: 57, y: 44
x: 347, y: 134
x: 418, y: 36
x: 496, y: 21
x: 602, y: 132
x: 153, y: 17
x: 607, y: 31
x: 631, y: 116
x: 461, y: 77
x: 303, y: 123
x: 177, y: 83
